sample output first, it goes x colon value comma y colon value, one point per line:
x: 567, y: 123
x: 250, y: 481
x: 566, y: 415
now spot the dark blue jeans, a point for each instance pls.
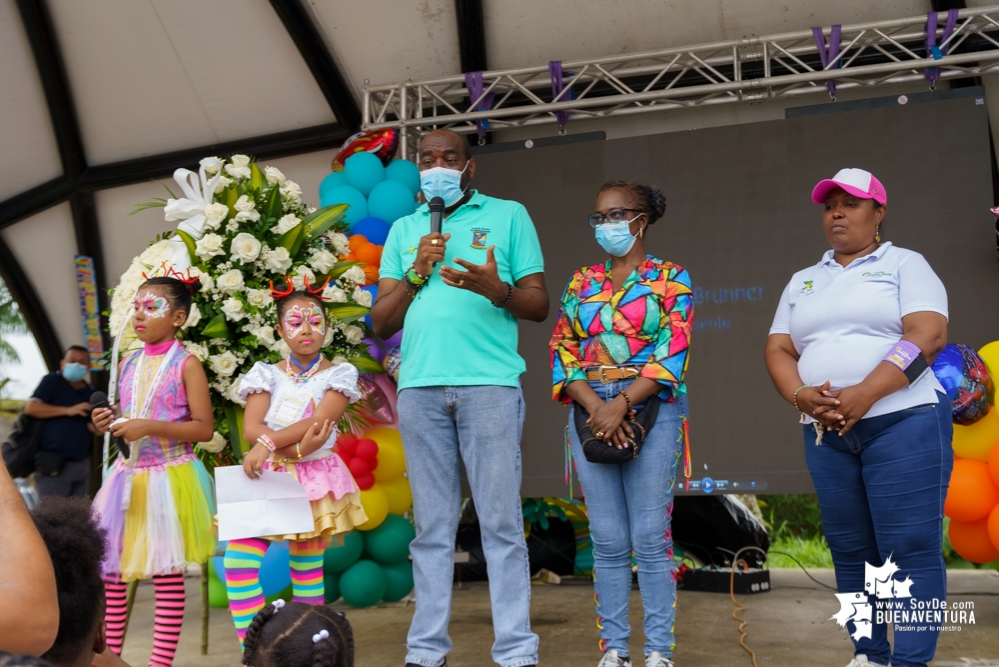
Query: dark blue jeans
x: 881, y: 491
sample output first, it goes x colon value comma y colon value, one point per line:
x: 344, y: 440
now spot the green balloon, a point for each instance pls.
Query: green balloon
x: 218, y: 597
x: 363, y: 584
x: 331, y: 583
x: 389, y: 543
x: 399, y: 580
x: 287, y: 595
x: 339, y: 558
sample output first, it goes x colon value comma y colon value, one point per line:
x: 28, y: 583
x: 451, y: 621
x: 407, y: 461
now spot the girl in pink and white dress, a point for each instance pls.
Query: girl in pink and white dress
x: 292, y: 408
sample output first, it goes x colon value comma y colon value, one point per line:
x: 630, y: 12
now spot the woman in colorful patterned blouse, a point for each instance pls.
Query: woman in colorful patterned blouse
x: 621, y: 340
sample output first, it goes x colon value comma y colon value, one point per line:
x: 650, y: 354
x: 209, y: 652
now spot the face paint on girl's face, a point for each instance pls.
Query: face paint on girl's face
x: 296, y: 317
x: 152, y: 305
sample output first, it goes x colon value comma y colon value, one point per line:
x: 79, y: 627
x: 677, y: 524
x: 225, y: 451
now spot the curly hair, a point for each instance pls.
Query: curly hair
x: 287, y: 639
x: 648, y: 198
x: 76, y: 545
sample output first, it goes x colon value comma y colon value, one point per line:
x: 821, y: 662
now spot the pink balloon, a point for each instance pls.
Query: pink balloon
x: 388, y: 390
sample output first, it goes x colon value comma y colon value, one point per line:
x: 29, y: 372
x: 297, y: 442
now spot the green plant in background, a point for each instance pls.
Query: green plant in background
x: 11, y: 322
x: 795, y: 527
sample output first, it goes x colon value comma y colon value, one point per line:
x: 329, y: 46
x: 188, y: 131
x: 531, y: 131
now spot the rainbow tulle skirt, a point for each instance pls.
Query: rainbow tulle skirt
x: 166, y: 522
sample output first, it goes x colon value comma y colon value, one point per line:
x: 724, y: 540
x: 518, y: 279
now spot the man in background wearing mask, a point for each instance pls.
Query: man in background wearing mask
x: 62, y: 402
x: 459, y: 294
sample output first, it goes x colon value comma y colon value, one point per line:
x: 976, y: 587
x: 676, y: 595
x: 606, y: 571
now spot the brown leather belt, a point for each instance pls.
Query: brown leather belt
x: 607, y: 374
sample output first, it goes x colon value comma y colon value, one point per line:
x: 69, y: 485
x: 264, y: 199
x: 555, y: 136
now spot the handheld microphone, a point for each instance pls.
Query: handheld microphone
x: 436, y: 214
x: 98, y: 400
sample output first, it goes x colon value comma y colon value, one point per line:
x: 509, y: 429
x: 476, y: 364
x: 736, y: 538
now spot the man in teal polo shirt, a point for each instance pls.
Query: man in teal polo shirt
x: 459, y: 294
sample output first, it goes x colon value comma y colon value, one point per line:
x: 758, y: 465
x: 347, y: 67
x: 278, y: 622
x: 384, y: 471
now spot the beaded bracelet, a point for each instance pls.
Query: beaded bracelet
x: 415, y: 277
x: 627, y: 399
x: 298, y: 450
x: 267, y: 443
x: 794, y: 399
x: 509, y: 297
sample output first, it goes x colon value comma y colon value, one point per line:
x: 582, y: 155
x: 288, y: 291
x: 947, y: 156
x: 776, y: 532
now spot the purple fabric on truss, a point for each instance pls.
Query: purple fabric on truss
x: 555, y: 70
x: 473, y: 82
x: 933, y: 73
x: 829, y: 54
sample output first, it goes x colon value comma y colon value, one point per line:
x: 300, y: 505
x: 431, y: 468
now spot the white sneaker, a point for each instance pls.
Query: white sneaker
x: 861, y: 660
x: 611, y: 659
x: 657, y: 659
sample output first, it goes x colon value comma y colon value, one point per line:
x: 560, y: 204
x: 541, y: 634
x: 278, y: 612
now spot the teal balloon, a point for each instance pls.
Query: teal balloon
x: 344, y: 194
x: 405, y: 172
x: 333, y: 180
x: 389, y: 543
x: 286, y: 594
x: 339, y: 558
x: 331, y: 586
x: 363, y: 171
x: 398, y: 580
x: 391, y: 200
x: 363, y: 584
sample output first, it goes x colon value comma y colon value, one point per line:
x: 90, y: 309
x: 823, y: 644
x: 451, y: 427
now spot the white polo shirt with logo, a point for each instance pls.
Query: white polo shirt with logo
x: 843, y: 320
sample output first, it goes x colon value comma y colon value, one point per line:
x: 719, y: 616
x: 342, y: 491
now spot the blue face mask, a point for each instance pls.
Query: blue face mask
x: 442, y: 182
x: 616, y: 238
x: 74, y: 372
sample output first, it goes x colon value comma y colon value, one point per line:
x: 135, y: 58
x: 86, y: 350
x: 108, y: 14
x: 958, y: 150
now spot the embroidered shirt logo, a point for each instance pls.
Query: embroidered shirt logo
x: 808, y: 287
x: 411, y: 250
x: 479, y: 238
x: 877, y: 274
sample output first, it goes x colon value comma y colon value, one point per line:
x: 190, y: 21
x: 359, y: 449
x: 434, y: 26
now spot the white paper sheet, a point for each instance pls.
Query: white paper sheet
x: 274, y: 504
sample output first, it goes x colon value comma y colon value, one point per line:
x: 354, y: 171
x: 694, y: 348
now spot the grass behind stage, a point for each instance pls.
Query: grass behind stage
x: 795, y: 526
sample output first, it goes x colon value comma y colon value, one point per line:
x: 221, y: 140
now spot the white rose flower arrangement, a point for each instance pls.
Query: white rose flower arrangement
x: 256, y: 231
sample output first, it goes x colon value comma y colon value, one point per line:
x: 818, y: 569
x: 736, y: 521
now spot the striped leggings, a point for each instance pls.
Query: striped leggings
x: 169, y: 616
x: 243, y: 559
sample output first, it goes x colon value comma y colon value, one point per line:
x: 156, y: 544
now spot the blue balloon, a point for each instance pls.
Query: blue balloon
x: 405, y: 172
x: 275, y: 571
x: 373, y: 289
x: 374, y: 229
x: 344, y: 194
x: 333, y: 180
x: 364, y: 171
x: 391, y: 200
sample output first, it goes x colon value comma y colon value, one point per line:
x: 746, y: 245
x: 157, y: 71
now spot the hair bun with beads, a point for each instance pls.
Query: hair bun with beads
x: 657, y: 202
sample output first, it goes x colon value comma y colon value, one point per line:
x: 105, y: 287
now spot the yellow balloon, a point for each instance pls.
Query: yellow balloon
x: 376, y: 505
x: 400, y: 496
x: 990, y: 354
x: 976, y: 441
x: 385, y: 436
x: 391, y: 458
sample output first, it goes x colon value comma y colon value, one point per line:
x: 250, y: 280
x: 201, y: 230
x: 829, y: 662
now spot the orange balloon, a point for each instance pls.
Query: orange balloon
x: 356, y: 241
x: 993, y: 526
x: 994, y: 464
x: 972, y: 493
x: 367, y: 252
x: 371, y: 273
x: 970, y: 540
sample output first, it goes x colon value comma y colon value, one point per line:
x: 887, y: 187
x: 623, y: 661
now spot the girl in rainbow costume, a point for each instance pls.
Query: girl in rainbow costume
x: 157, y: 500
x: 292, y: 408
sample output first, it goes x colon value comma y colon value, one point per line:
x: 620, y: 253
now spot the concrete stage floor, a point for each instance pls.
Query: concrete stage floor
x: 785, y: 627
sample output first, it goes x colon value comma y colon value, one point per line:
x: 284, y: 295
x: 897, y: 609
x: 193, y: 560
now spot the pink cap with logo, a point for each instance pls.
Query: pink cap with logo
x: 856, y: 182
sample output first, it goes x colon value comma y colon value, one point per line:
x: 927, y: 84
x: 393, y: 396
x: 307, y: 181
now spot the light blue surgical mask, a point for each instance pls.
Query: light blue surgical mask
x: 442, y: 182
x: 616, y: 238
x: 74, y: 372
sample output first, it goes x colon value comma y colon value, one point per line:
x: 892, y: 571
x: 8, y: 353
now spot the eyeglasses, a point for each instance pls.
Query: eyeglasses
x: 613, y: 215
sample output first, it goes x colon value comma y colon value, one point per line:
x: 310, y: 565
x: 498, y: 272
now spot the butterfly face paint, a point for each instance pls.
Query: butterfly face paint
x: 296, y: 317
x: 152, y: 305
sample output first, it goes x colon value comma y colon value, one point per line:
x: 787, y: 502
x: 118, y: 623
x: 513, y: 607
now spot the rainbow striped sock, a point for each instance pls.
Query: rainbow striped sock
x: 243, y: 559
x: 307, y: 571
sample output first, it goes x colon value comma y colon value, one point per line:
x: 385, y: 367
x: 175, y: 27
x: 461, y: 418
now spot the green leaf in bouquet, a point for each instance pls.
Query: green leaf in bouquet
x: 340, y: 268
x: 192, y: 245
x: 292, y: 239
x: 319, y: 223
x: 365, y: 363
x: 273, y: 208
x: 347, y: 312
x: 256, y: 177
x: 229, y: 197
x: 234, y: 415
x: 217, y: 328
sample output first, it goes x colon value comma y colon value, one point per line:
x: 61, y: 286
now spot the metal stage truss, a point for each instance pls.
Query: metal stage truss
x: 777, y: 67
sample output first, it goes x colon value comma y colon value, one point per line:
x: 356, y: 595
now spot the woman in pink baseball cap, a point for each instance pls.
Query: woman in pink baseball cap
x: 850, y: 349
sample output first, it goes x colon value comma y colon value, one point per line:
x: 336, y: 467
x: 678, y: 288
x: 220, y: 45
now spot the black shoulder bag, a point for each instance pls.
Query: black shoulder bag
x: 597, y: 451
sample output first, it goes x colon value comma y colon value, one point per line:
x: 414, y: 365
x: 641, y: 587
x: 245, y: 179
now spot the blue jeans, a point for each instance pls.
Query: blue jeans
x: 480, y: 425
x: 881, y: 491
x: 629, y: 507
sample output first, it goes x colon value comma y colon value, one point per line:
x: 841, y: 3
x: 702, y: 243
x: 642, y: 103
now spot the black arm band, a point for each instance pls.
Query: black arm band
x: 916, y: 368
